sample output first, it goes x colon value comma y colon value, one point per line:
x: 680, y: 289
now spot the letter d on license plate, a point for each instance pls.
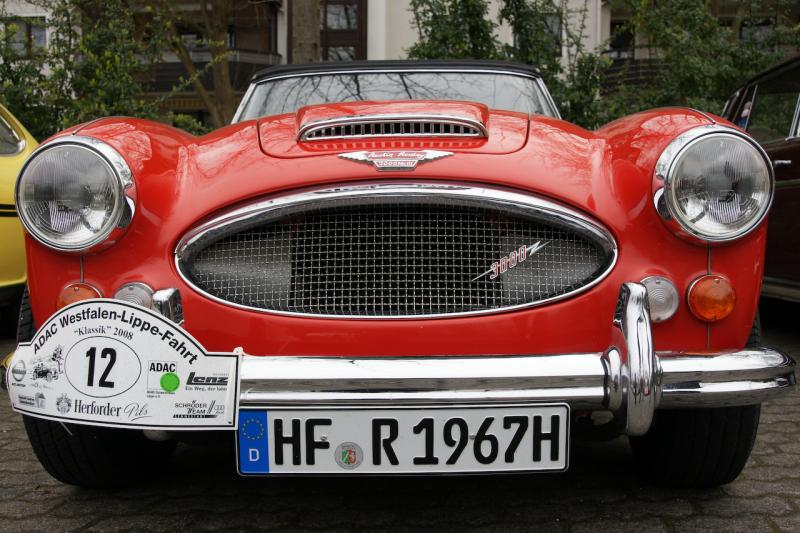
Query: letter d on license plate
x: 494, y: 438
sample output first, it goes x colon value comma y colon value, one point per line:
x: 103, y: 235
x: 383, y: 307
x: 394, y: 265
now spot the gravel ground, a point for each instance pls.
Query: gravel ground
x: 200, y: 490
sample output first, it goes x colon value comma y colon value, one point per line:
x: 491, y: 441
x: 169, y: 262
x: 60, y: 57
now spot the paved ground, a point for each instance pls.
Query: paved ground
x: 201, y: 490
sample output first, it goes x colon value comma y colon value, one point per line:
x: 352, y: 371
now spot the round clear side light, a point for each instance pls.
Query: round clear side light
x: 662, y: 297
x: 136, y: 293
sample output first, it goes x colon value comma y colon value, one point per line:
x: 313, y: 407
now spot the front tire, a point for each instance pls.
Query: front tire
x: 90, y: 456
x: 96, y: 457
x: 697, y: 447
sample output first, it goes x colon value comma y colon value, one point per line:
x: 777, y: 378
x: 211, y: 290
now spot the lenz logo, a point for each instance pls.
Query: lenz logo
x: 221, y: 381
x: 511, y: 260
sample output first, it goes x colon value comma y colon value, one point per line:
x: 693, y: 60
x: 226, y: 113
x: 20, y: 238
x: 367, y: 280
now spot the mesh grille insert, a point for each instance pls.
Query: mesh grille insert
x: 396, y: 260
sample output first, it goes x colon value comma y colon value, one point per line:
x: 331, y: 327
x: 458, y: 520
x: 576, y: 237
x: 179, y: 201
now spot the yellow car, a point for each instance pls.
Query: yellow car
x: 15, y: 145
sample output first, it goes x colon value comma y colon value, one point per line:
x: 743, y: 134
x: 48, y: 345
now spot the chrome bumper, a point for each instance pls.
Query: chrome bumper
x: 629, y: 378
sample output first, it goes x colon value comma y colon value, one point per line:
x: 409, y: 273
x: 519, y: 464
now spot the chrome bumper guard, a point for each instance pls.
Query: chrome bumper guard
x: 629, y: 379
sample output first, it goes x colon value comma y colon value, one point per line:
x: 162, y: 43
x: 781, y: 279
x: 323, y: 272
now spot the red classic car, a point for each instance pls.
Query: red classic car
x: 396, y: 267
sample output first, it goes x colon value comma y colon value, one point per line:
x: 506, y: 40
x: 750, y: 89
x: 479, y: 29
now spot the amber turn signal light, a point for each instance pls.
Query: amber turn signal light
x: 711, y: 298
x: 75, y: 292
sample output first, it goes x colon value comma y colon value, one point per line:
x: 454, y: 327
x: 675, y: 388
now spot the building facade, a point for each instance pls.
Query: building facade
x: 387, y: 26
x: 260, y: 34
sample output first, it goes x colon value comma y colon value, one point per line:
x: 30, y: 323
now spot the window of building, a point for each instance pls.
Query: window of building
x: 621, y: 45
x: 343, y: 30
x: 194, y: 40
x: 759, y: 32
x: 339, y: 16
x: 254, y: 27
x: 553, y: 24
x: 191, y: 40
x: 232, y: 37
x: 29, y: 34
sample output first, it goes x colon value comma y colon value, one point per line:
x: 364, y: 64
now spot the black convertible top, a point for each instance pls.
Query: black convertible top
x: 445, y: 64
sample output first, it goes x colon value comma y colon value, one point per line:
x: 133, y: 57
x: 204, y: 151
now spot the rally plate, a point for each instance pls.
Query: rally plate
x: 112, y: 363
x: 437, y: 439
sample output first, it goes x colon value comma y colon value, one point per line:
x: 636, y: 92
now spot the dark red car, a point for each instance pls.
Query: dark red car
x: 768, y: 107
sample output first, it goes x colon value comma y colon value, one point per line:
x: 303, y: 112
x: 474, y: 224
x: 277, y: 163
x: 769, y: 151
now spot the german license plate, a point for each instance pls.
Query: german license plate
x: 404, y: 440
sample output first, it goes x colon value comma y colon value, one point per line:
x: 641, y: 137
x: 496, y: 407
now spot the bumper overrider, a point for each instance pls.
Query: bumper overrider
x: 630, y: 378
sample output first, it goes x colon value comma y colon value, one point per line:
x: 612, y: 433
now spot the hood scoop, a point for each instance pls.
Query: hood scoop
x: 395, y: 125
x: 415, y: 118
x: 448, y: 125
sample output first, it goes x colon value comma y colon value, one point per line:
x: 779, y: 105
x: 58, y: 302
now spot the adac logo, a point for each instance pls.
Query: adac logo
x: 162, y: 376
x: 395, y: 159
x: 349, y: 455
x: 63, y: 404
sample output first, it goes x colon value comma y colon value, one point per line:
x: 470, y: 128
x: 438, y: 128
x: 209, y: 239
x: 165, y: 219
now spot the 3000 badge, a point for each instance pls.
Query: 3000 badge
x: 112, y: 363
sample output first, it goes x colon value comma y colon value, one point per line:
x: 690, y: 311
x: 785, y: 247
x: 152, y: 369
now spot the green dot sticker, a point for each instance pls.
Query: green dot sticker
x: 170, y: 382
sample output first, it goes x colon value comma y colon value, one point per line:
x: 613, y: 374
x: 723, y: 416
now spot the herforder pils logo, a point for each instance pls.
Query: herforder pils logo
x: 63, y: 404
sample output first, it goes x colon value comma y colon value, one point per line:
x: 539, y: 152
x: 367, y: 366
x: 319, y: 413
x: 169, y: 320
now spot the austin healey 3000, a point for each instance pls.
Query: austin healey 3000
x: 396, y: 267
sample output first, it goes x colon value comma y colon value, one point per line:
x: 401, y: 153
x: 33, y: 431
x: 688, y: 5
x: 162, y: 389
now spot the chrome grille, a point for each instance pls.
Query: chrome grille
x: 396, y: 259
x: 360, y: 127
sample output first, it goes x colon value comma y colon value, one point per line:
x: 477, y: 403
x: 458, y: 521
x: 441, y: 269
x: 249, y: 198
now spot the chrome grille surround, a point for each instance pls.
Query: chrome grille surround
x: 405, y: 125
x: 236, y: 244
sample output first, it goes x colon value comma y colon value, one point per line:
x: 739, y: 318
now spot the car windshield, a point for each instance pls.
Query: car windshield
x: 9, y: 143
x: 495, y: 90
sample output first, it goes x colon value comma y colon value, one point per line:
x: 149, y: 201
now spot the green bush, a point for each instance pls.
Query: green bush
x: 700, y: 60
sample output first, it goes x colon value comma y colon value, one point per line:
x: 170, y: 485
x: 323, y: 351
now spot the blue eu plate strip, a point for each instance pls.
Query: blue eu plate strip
x: 253, y: 442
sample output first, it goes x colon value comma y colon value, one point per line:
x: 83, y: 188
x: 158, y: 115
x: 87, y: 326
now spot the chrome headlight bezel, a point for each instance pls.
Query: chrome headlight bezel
x: 664, y: 198
x: 123, y: 208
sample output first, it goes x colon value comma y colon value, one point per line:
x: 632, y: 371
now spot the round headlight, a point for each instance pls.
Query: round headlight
x: 718, y: 186
x: 70, y: 193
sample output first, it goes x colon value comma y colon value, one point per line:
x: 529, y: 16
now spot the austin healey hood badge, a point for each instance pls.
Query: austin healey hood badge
x: 395, y: 159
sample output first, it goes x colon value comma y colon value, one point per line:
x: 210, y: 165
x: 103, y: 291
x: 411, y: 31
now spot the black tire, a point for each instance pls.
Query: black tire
x: 90, y: 456
x: 95, y: 457
x: 755, y: 332
x: 699, y: 447
x: 9, y: 310
x: 25, y: 328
